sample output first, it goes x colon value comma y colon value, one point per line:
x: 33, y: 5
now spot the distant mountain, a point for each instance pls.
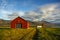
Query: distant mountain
x: 57, y: 24
x: 33, y: 24
x: 45, y: 23
x: 4, y: 23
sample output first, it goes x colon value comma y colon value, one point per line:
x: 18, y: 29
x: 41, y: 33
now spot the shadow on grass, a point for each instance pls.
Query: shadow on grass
x: 36, y: 36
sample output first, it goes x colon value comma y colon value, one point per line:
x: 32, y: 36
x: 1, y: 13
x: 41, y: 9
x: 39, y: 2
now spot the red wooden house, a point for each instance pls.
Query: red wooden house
x: 19, y: 23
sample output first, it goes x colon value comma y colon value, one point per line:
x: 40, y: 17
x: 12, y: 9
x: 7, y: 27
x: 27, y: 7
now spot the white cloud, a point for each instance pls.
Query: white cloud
x: 51, y: 12
x: 3, y: 4
x: 48, y: 12
x: 8, y: 8
x: 31, y: 15
x: 4, y: 13
x: 15, y: 14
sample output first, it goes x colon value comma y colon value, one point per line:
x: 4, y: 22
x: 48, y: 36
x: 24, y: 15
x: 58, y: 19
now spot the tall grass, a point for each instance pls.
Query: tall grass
x: 16, y: 34
x: 49, y: 33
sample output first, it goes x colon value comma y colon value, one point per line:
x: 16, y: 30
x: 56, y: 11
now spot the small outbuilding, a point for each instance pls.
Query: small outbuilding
x: 19, y: 23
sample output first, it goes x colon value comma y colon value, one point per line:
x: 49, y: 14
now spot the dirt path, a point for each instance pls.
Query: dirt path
x: 36, y: 35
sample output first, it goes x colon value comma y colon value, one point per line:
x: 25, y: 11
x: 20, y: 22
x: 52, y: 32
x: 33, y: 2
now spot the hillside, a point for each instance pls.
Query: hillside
x: 6, y: 23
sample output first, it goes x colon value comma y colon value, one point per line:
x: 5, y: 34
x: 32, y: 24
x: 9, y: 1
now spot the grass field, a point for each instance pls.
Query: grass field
x: 48, y: 34
x: 16, y: 34
x: 30, y: 34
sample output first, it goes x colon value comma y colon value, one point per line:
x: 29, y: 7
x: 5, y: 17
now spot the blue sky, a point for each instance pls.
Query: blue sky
x: 8, y: 7
x: 25, y: 5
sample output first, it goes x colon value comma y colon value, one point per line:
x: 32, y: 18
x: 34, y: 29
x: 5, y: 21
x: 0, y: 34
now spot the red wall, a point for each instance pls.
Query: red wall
x: 24, y: 23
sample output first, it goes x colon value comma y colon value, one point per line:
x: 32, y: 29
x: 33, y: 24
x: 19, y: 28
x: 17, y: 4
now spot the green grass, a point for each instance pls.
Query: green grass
x: 16, y: 34
x: 30, y: 34
x: 49, y: 33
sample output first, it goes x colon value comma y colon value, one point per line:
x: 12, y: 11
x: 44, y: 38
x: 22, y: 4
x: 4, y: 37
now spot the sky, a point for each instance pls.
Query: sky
x: 34, y: 10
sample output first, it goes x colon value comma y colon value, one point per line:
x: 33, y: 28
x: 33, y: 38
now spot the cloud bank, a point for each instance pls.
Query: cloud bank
x: 15, y: 14
x: 48, y: 12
